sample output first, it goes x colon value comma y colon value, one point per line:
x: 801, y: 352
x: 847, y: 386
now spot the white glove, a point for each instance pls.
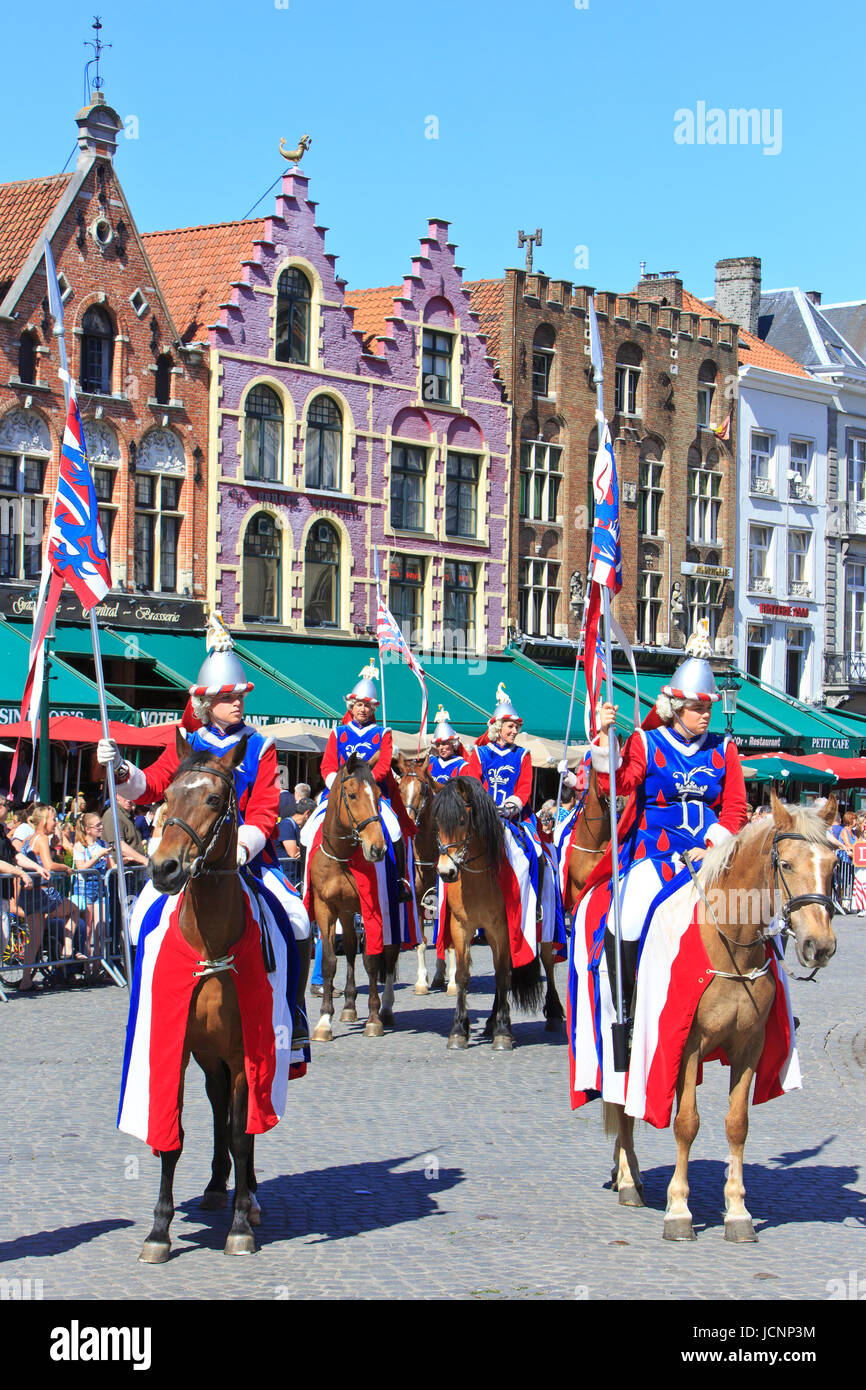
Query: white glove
x: 512, y: 807
x: 243, y: 854
x: 108, y: 754
x: 562, y: 767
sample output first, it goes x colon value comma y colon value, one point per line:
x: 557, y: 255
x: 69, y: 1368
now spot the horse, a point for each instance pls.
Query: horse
x: 591, y: 837
x: 791, y: 853
x: 198, y: 854
x: 418, y: 789
x: 351, y: 823
x: 471, y: 849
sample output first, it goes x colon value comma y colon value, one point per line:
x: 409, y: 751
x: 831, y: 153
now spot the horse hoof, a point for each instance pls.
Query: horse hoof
x: 503, y: 1043
x: 349, y: 1016
x: 458, y: 1040
x: 214, y: 1200
x: 323, y: 1033
x: 554, y: 1025
x: 155, y: 1252
x: 240, y: 1244
x: 374, y: 1028
x: 678, y: 1228
x: 740, y: 1230
x: 254, y: 1216
x: 387, y: 1017
x: 436, y: 985
x: 631, y: 1196
x: 422, y: 989
x: 452, y: 990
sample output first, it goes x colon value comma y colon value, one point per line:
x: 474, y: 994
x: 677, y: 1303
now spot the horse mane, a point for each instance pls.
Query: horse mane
x: 450, y: 806
x: 718, y: 858
x: 360, y: 769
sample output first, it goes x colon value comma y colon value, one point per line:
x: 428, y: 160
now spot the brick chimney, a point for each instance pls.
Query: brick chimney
x: 663, y: 288
x: 738, y: 291
x: 814, y: 297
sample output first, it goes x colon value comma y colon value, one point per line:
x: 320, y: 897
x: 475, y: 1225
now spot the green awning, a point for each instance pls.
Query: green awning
x: 778, y: 770
x: 68, y: 691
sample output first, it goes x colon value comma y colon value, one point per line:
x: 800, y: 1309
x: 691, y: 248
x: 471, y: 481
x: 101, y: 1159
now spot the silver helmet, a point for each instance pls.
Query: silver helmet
x: 221, y: 672
x: 442, y: 732
x: 364, y: 687
x: 504, y: 708
x: 693, y: 679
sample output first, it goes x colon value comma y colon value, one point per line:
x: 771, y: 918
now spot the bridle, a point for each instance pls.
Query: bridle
x: 353, y: 835
x: 204, y: 844
x: 460, y: 860
x: 414, y: 776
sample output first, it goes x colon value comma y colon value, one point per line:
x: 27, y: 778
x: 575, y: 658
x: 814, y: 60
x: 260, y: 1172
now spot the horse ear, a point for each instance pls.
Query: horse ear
x: 180, y: 744
x: 829, y: 811
x: 781, y: 815
x: 398, y: 764
x: 351, y: 763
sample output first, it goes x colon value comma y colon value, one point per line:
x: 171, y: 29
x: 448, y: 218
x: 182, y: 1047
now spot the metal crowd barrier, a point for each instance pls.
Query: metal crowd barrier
x: 34, y: 931
x: 843, y: 881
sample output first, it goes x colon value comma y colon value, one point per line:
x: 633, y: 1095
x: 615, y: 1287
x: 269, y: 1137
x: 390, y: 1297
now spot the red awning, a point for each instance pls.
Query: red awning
x: 850, y: 771
x: 69, y: 728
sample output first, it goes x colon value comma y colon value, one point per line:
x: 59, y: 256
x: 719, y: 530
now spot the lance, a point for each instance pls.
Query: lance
x: 378, y: 648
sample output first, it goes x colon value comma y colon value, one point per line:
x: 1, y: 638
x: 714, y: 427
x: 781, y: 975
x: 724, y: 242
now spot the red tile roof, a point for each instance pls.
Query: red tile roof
x: 752, y: 351
x: 25, y: 207
x: 487, y: 298
x: 195, y: 268
x: 372, y: 308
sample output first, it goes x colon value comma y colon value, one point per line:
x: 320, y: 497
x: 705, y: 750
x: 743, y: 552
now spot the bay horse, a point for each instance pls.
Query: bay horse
x: 471, y: 848
x: 418, y: 789
x: 198, y: 853
x: 351, y: 824
x: 778, y: 865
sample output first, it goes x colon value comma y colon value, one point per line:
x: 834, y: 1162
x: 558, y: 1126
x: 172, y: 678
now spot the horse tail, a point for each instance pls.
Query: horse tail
x: 527, y: 986
x: 610, y: 1118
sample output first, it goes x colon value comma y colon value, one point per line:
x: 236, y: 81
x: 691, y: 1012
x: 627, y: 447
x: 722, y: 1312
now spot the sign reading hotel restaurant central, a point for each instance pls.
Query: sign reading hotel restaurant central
x: 131, y: 610
x: 707, y: 571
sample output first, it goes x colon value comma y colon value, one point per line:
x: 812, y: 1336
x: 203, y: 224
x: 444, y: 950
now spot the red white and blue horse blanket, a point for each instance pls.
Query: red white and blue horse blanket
x: 162, y: 989
x: 518, y: 882
x: 673, y: 972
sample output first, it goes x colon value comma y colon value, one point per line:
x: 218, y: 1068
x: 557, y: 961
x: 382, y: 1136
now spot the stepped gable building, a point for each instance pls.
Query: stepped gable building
x: 343, y: 423
x: 142, y: 394
x: 670, y: 399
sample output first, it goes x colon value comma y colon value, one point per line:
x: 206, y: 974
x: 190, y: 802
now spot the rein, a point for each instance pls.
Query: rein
x: 353, y: 835
x: 200, y: 864
x: 459, y: 860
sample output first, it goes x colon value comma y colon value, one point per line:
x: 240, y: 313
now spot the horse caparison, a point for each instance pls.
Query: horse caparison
x: 417, y: 788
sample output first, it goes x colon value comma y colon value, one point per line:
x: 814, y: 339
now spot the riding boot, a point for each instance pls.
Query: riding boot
x: 404, y: 888
x: 301, y: 1031
x: 629, y: 973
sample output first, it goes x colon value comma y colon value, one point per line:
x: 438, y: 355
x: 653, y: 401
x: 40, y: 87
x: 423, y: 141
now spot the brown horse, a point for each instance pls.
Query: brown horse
x: 198, y: 853
x: 471, y: 846
x: 780, y: 865
x: 351, y: 824
x: 418, y: 789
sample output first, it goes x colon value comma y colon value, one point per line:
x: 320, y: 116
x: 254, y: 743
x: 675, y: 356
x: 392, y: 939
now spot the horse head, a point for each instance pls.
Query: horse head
x: 466, y: 819
x: 804, y: 862
x: 416, y: 786
x: 356, y: 798
x: 201, y: 823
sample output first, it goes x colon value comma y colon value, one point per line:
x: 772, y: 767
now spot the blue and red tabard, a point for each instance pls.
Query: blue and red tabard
x: 443, y: 769
x: 502, y: 771
x: 679, y: 798
x: 366, y: 741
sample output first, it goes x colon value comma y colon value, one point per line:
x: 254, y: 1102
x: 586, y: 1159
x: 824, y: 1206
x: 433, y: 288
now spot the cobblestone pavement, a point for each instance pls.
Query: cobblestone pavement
x: 405, y: 1170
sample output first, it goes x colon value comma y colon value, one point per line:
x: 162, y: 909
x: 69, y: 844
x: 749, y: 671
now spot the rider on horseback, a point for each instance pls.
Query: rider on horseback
x: 449, y: 755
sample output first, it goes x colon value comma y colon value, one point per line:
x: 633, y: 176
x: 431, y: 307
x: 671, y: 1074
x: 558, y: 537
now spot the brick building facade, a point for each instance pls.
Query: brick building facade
x: 142, y: 393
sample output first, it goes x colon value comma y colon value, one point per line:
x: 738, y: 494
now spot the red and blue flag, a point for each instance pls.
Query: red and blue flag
x: 606, y: 557
x: 391, y: 639
x: 76, y: 545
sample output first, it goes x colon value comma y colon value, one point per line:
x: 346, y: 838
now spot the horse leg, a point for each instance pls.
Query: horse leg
x: 216, y: 1084
x: 421, y: 981
x: 156, y: 1248
x: 678, y: 1218
x: 627, y: 1180
x: 459, y: 1035
x: 253, y: 1184
x: 241, y: 1240
x: 452, y: 970
x: 392, y: 963
x: 350, y: 947
x: 498, y: 1025
x: 738, y: 1222
x: 374, y: 1027
x: 323, y: 1031
x: 552, y: 1005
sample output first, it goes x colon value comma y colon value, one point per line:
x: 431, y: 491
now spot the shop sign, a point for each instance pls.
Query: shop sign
x: 830, y: 745
x: 128, y: 610
x: 782, y: 610
x: 11, y: 714
x: 707, y: 571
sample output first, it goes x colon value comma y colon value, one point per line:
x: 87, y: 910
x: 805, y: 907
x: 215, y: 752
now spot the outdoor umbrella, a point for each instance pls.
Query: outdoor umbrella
x: 780, y: 770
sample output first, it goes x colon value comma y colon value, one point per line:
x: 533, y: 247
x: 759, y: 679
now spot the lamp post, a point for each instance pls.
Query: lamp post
x: 729, y: 689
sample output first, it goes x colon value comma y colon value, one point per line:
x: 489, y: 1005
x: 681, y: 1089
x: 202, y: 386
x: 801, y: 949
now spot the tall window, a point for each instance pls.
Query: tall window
x: 757, y: 644
x: 857, y: 471
x: 324, y: 444
x: 459, y: 617
x: 540, y: 479
x: 436, y: 365
x: 649, y: 606
x: 27, y: 360
x: 157, y: 531
x: 762, y: 477
x: 406, y: 595
x: 543, y: 346
x: 705, y: 503
x: 263, y: 436
x: 704, y: 600
x: 322, y: 576
x: 97, y: 352
x: 262, y: 566
x: 855, y: 609
x: 799, y: 566
x: 760, y: 573
x: 706, y: 391
x: 538, y: 589
x: 795, y: 660
x: 800, y: 471
x: 163, y: 378
x: 22, y: 517
x: 461, y: 496
x: 627, y: 380
x: 293, y: 317
x: 408, y: 474
x: 650, y: 491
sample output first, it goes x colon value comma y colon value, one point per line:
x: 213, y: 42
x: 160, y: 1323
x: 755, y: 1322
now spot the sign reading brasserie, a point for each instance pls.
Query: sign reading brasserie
x: 706, y: 571
x: 129, y: 610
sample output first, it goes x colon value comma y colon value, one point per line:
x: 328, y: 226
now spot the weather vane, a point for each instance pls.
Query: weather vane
x: 97, y: 47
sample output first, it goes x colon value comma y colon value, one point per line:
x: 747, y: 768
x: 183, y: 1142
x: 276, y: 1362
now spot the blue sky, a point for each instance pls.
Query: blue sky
x: 548, y: 115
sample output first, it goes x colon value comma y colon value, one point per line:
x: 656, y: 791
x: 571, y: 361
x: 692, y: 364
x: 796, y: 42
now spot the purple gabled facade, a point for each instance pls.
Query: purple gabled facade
x: 390, y: 432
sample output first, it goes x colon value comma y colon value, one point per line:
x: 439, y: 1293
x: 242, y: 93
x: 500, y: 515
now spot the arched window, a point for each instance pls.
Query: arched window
x: 263, y: 436
x: 262, y: 556
x: 25, y: 448
x: 293, y: 317
x: 27, y: 360
x: 163, y: 378
x: 322, y: 576
x: 324, y: 444
x: 543, y: 346
x: 705, y: 498
x: 97, y: 352
x: 627, y: 380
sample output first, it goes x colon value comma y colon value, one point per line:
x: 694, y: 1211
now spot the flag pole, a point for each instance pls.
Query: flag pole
x: 619, y: 1029
x: 378, y: 646
x: 562, y: 775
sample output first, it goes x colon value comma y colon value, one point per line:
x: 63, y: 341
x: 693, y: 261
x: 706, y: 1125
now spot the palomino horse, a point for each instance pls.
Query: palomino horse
x: 418, y: 789
x: 351, y: 823
x: 198, y: 853
x: 471, y: 846
x: 781, y: 865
